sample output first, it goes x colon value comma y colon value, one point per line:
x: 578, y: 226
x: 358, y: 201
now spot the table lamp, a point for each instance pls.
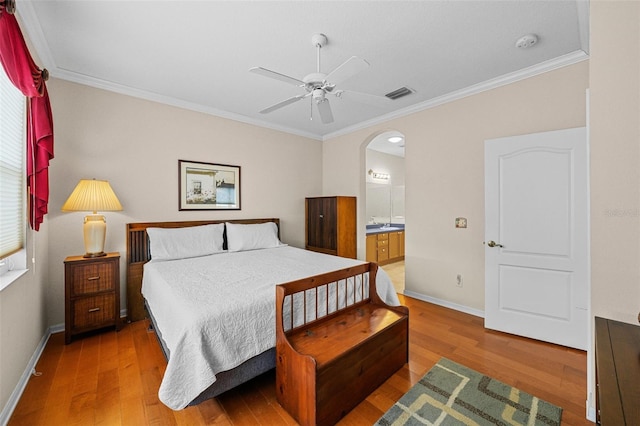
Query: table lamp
x: 93, y: 195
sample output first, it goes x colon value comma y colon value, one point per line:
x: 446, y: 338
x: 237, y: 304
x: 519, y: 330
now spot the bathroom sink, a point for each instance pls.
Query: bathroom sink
x: 390, y: 228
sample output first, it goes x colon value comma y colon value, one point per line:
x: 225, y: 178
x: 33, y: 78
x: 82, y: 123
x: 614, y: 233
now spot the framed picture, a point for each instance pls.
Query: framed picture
x: 207, y: 186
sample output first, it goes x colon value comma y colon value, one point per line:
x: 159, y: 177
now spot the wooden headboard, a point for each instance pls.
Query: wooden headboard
x: 138, y: 254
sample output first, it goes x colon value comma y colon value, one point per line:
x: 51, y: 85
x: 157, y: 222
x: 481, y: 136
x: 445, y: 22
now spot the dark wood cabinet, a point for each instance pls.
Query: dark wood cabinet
x: 617, y: 372
x: 331, y: 225
x: 92, y: 293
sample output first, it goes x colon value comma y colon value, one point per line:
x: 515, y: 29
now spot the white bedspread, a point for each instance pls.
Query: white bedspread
x: 217, y: 311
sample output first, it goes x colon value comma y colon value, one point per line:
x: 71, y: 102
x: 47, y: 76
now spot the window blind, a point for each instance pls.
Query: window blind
x: 12, y: 175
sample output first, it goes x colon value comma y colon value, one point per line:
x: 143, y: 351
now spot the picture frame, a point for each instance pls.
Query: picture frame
x: 208, y: 186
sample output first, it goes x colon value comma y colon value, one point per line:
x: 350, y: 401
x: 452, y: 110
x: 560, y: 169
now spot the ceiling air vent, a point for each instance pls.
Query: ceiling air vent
x: 403, y: 91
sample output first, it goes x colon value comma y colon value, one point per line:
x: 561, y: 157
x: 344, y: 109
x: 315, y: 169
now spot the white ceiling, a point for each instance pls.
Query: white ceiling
x: 196, y: 54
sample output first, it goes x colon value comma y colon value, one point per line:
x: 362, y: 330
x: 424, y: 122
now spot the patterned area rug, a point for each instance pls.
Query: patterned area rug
x: 452, y: 394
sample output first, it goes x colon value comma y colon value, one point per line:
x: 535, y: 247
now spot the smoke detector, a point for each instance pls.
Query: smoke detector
x: 527, y: 41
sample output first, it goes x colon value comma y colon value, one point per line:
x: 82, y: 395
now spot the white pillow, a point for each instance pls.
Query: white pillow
x: 190, y: 241
x: 252, y: 236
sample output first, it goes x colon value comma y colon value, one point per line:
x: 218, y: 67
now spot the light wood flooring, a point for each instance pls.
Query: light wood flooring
x: 113, y: 378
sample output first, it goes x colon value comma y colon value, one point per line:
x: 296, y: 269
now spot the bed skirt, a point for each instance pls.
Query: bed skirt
x: 229, y: 379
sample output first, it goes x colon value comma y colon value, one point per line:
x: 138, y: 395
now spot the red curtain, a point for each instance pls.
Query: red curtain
x: 30, y: 80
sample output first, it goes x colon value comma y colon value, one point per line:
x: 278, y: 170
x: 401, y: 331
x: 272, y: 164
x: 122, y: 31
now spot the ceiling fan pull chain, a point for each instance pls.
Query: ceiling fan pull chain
x: 311, y: 109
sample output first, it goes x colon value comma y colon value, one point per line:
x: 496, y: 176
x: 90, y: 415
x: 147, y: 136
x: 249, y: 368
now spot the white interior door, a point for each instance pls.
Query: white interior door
x: 536, y: 234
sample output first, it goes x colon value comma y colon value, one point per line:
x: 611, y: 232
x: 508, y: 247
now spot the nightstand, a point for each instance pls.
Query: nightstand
x: 92, y: 294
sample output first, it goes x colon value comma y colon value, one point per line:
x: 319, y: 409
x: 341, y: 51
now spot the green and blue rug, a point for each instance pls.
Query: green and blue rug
x: 452, y: 394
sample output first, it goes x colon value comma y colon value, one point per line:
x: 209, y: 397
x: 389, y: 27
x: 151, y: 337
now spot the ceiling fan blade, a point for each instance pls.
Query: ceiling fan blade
x: 276, y: 75
x: 325, y: 111
x: 366, y: 98
x: 283, y: 103
x: 349, y: 68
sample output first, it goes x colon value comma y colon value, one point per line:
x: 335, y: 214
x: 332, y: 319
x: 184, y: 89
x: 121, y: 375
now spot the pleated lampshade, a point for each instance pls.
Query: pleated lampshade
x: 93, y: 196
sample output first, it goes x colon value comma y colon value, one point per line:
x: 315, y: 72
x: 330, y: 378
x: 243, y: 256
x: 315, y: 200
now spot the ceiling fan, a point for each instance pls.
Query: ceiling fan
x: 318, y: 85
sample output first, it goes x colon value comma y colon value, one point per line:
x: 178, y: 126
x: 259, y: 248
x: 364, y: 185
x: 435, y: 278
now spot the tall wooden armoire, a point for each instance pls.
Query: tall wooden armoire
x: 331, y: 225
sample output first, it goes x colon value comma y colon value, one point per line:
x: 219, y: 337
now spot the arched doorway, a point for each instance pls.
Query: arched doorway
x: 385, y: 207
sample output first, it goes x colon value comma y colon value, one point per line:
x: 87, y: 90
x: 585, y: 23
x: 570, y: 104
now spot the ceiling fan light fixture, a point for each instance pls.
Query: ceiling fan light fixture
x: 318, y: 85
x: 318, y: 95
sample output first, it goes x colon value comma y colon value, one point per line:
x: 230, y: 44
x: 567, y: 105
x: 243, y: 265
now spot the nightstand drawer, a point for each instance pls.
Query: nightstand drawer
x: 92, y: 294
x: 94, y: 311
x: 91, y: 278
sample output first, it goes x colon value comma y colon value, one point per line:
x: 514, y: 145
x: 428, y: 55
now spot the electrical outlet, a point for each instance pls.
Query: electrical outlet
x: 459, y: 280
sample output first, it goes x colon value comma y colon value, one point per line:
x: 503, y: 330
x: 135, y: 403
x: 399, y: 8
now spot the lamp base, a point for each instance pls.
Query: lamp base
x: 95, y: 228
x: 89, y: 255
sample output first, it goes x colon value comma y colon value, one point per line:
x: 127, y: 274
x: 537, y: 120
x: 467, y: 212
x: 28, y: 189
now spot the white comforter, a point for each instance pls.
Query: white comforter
x: 215, y: 312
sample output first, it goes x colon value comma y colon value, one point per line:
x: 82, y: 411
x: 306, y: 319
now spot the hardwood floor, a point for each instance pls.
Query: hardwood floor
x: 113, y: 378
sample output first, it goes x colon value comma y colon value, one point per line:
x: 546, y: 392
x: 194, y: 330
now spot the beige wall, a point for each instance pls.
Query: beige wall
x: 614, y: 101
x: 444, y: 173
x: 136, y: 144
x: 23, y: 322
x: 615, y: 159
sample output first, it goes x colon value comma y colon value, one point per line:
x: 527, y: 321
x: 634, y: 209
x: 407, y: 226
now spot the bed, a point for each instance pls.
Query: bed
x: 214, y: 313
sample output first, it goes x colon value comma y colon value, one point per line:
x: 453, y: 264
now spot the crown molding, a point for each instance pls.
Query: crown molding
x: 31, y: 23
x: 36, y: 36
x: 541, y: 68
x: 28, y: 19
x: 168, y: 100
x: 582, y: 6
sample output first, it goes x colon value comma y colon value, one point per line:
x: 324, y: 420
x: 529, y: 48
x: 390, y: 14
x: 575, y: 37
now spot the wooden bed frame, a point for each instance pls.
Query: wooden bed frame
x: 137, y: 255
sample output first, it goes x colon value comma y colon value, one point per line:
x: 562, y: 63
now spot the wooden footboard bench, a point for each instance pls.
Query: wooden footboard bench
x: 336, y: 342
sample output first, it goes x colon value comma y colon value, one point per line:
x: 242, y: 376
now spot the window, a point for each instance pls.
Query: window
x: 12, y: 174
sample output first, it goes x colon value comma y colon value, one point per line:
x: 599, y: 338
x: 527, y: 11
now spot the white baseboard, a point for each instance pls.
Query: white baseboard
x: 12, y: 402
x: 446, y: 304
x: 56, y: 328
x: 591, y: 412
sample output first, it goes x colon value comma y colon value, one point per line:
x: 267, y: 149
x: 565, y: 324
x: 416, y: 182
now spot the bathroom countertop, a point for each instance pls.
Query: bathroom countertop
x: 380, y: 229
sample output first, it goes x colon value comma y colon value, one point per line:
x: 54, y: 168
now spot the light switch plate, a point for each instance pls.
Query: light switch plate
x: 461, y: 222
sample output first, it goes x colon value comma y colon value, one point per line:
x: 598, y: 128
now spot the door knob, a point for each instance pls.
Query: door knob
x: 494, y: 244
